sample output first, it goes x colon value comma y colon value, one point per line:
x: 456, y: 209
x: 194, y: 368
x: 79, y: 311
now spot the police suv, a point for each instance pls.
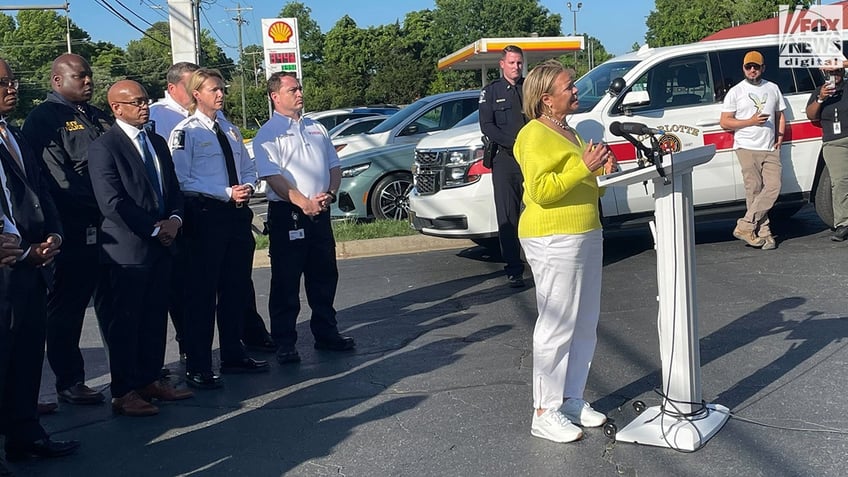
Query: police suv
x: 678, y: 90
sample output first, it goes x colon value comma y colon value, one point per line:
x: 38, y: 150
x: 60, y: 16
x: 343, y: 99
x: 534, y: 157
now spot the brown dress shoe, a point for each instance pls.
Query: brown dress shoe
x: 131, y: 404
x: 46, y: 408
x: 163, y: 392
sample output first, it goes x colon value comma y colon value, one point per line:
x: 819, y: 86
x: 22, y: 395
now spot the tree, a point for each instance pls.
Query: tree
x: 695, y: 19
x: 30, y: 43
x: 457, y: 23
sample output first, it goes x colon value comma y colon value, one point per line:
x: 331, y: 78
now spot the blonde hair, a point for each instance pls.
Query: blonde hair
x: 196, y: 81
x: 539, y: 82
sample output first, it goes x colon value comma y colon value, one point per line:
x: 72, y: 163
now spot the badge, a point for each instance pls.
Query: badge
x: 178, y: 140
x: 837, y: 127
x: 296, y: 234
x: 90, y: 235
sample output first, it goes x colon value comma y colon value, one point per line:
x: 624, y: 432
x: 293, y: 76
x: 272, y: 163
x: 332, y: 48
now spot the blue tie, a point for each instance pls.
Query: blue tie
x: 151, y: 172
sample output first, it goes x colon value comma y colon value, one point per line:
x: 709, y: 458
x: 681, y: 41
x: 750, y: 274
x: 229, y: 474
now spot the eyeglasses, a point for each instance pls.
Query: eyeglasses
x: 9, y: 83
x: 138, y: 103
x: 753, y: 66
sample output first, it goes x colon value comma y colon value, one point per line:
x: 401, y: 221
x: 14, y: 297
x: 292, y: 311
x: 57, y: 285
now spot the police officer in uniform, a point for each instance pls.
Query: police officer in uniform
x: 59, y: 130
x: 500, y: 121
x: 216, y: 176
x: 165, y: 115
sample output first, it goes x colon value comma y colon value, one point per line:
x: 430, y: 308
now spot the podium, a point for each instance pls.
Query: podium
x: 683, y: 422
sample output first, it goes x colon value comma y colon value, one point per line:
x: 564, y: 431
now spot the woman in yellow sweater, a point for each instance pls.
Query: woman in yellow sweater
x: 560, y: 232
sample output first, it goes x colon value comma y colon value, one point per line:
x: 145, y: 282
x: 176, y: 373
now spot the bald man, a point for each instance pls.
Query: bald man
x: 137, y: 192
x: 60, y: 130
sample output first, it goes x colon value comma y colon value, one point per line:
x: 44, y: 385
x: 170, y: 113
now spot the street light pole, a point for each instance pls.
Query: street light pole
x: 574, y: 30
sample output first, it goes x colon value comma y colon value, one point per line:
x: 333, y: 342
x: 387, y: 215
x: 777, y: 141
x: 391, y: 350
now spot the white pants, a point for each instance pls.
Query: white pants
x: 567, y: 272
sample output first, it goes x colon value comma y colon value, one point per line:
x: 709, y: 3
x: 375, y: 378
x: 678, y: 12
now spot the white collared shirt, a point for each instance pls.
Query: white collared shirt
x: 300, y: 151
x: 199, y: 160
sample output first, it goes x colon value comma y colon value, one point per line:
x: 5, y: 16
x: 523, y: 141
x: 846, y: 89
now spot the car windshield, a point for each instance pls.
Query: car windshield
x: 592, y: 86
x: 400, y: 116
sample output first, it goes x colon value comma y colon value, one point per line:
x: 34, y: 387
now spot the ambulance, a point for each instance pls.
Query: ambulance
x: 678, y: 90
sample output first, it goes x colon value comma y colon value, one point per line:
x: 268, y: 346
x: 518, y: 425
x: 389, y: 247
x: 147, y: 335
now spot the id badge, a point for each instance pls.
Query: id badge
x: 90, y: 235
x: 296, y: 234
x: 837, y: 127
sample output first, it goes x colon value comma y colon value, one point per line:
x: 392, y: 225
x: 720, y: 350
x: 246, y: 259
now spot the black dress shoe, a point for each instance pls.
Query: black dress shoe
x: 840, y: 234
x: 79, y: 393
x: 335, y: 343
x: 41, y: 448
x: 204, y: 380
x: 287, y: 355
x: 246, y: 365
x: 265, y: 344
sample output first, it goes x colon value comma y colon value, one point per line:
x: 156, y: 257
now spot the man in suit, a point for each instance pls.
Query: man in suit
x: 139, y: 197
x: 38, y: 225
x: 60, y: 130
x: 9, y: 252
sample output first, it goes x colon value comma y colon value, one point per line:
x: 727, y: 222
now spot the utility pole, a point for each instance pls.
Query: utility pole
x: 66, y: 7
x: 574, y: 30
x: 240, y: 21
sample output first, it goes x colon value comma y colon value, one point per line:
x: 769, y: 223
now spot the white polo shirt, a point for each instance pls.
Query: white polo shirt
x: 300, y: 151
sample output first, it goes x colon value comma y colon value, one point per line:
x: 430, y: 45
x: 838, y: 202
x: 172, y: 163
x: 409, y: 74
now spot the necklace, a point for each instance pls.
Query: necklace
x: 558, y: 123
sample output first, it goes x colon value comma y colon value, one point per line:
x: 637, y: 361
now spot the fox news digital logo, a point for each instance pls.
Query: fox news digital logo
x: 811, y: 37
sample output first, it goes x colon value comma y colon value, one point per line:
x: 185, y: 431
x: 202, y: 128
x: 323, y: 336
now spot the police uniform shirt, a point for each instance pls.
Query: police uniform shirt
x: 300, y: 151
x: 166, y: 114
x: 199, y: 160
x: 501, y: 116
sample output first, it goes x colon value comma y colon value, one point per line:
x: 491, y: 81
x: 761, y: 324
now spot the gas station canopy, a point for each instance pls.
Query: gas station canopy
x: 486, y: 52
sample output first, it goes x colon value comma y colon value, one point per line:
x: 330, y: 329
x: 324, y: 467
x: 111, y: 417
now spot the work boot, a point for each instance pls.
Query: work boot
x: 749, y: 237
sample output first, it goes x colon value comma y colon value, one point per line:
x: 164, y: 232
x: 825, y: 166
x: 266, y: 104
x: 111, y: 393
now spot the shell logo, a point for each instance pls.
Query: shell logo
x: 280, y: 32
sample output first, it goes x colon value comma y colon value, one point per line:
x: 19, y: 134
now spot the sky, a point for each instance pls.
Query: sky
x: 616, y: 23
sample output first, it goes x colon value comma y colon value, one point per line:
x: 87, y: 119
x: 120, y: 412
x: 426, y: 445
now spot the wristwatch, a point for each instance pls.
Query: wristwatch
x: 333, y: 195
x: 819, y: 100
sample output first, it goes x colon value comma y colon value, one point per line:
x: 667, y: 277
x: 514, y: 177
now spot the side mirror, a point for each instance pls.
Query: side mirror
x: 410, y: 130
x: 636, y: 98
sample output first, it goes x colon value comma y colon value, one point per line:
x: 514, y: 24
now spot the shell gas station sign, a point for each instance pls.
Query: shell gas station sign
x: 281, y: 42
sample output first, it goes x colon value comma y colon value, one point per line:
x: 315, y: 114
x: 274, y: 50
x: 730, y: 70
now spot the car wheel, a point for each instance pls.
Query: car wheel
x: 824, y: 197
x: 390, y: 198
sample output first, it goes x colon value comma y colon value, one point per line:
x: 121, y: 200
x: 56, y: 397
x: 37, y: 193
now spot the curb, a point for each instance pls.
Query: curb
x: 380, y: 246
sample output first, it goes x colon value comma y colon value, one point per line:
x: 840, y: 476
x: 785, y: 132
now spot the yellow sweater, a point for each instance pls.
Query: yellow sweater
x: 560, y: 192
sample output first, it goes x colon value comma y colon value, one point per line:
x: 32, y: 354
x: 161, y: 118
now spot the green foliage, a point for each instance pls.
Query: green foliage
x: 676, y: 23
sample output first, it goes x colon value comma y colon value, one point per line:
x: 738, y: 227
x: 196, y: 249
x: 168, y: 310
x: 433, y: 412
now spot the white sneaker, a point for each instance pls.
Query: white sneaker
x: 580, y: 413
x: 554, y: 426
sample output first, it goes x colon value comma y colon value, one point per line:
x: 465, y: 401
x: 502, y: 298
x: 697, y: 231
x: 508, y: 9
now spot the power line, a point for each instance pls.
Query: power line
x: 116, y: 13
x: 119, y: 2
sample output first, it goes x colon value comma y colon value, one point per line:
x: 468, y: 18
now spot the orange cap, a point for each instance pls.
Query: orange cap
x: 754, y: 57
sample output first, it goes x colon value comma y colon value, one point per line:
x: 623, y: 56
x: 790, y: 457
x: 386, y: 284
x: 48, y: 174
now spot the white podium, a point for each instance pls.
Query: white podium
x: 682, y: 422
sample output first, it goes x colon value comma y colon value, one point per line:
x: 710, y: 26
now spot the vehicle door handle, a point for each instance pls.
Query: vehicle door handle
x: 706, y: 122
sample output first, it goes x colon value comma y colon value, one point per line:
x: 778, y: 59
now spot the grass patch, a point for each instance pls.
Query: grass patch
x: 346, y: 230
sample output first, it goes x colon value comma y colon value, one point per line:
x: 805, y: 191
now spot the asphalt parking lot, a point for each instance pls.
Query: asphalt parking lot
x: 440, y: 382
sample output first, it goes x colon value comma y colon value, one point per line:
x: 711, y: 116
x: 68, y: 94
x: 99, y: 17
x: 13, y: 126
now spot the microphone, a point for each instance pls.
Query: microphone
x: 620, y: 129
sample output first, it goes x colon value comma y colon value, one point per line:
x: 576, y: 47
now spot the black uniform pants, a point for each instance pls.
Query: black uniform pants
x: 219, y: 250
x: 26, y: 355
x: 77, y: 279
x: 254, y: 326
x: 301, y: 246
x: 136, y: 329
x: 507, y: 182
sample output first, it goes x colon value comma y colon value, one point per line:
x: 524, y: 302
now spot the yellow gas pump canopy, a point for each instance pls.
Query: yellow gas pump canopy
x: 486, y: 52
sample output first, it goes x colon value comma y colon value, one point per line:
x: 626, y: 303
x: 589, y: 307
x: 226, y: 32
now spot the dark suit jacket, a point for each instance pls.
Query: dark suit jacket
x: 127, y: 200
x: 35, y: 213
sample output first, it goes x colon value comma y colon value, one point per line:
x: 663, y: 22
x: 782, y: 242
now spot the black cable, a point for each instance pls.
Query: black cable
x: 119, y: 2
x: 116, y: 13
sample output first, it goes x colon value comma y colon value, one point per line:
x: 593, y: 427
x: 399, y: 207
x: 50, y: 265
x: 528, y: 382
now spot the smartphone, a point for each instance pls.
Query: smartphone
x: 831, y: 82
